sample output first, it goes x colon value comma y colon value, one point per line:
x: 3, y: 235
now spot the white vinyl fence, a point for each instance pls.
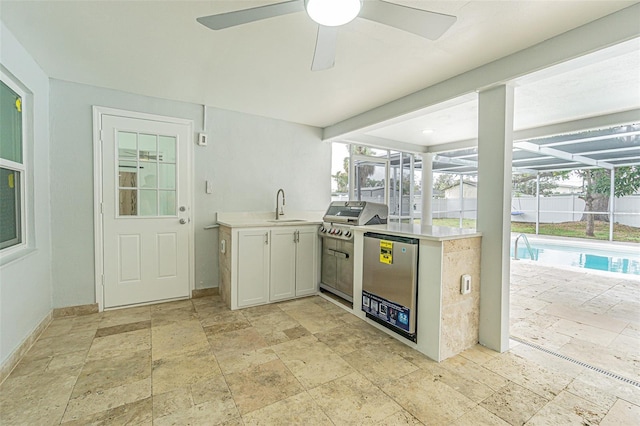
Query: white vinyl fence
x: 555, y: 209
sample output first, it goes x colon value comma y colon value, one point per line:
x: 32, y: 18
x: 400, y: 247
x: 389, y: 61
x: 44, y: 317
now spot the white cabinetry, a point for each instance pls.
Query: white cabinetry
x: 293, y: 262
x: 274, y: 264
x: 253, y: 267
x: 307, y: 261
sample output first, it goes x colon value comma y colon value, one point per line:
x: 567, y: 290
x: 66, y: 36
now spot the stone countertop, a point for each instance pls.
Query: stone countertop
x: 267, y: 219
x: 424, y: 232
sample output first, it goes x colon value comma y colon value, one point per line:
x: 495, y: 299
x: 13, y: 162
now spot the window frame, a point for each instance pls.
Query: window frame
x: 21, y: 168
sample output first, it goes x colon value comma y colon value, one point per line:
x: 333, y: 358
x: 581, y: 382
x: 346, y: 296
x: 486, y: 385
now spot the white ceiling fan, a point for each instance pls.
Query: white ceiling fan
x: 330, y: 14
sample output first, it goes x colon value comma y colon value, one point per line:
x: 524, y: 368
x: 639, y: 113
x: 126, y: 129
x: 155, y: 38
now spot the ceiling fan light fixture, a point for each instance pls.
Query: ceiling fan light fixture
x: 332, y: 13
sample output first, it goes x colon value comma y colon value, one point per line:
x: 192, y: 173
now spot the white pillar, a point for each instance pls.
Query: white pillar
x: 427, y: 189
x: 612, y: 197
x: 537, y: 203
x: 495, y: 144
x: 461, y: 214
x: 412, y: 164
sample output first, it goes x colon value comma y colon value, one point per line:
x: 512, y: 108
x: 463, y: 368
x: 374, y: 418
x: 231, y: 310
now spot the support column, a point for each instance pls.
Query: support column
x: 461, y: 213
x: 495, y: 145
x: 537, y: 203
x: 612, y: 197
x: 427, y: 189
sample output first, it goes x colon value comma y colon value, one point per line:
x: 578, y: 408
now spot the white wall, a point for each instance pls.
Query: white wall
x: 25, y: 283
x: 248, y: 158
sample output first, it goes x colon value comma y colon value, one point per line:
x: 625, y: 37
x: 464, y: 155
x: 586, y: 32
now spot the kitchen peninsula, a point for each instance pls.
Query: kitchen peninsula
x: 263, y: 260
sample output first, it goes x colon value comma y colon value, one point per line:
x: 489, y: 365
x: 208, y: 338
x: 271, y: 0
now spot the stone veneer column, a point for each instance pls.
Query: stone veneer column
x: 495, y: 144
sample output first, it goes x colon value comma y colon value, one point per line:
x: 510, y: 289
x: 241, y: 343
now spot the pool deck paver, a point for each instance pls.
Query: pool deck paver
x: 593, y: 317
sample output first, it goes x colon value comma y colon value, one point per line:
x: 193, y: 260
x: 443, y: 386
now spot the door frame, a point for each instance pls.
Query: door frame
x: 98, y: 233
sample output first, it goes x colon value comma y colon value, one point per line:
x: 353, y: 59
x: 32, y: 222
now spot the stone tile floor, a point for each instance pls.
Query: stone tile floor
x: 593, y: 317
x: 309, y: 362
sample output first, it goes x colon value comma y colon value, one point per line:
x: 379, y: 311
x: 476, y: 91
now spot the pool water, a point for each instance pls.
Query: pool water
x: 625, y: 260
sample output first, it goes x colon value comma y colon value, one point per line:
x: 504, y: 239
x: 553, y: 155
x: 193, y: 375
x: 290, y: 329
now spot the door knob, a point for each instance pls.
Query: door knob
x: 183, y: 221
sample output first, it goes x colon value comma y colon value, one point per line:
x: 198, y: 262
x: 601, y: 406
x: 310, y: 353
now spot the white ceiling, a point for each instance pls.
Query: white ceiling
x: 157, y: 49
x: 600, y: 83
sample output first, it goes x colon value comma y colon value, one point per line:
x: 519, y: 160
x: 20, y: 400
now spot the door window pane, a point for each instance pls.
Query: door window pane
x: 147, y: 147
x: 148, y: 175
x: 167, y: 176
x: 167, y: 203
x: 11, y: 128
x: 148, y: 202
x: 167, y: 149
x: 127, y: 145
x: 128, y: 202
x: 128, y: 174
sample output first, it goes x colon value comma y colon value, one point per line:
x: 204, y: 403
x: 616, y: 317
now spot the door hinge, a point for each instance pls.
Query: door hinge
x: 101, y: 208
x: 102, y: 279
x: 101, y: 135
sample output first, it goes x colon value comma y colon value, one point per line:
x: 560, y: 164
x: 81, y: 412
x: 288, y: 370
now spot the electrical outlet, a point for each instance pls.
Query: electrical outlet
x: 465, y: 284
x: 202, y: 139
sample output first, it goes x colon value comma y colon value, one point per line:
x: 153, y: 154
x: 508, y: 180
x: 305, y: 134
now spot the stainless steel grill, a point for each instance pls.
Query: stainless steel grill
x: 336, y: 234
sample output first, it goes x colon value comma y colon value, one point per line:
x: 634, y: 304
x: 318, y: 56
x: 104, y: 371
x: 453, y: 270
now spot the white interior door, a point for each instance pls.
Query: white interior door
x: 145, y: 210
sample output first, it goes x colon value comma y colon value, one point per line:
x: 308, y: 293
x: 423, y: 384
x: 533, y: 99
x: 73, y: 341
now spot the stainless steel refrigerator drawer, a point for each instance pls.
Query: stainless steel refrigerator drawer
x: 389, y: 281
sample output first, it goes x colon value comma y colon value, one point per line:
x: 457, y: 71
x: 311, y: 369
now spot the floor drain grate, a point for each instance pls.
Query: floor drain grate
x: 575, y: 361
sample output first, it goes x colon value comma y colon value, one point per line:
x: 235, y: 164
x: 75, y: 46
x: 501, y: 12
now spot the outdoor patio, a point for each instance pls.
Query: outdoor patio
x: 592, y: 317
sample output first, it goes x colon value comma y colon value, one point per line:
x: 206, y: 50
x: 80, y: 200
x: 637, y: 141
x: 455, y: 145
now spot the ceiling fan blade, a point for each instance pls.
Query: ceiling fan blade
x: 325, y: 55
x: 426, y: 24
x: 239, y: 17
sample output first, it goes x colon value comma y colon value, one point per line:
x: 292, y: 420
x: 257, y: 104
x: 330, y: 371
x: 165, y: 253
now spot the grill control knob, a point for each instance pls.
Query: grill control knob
x: 347, y: 234
x: 339, y: 232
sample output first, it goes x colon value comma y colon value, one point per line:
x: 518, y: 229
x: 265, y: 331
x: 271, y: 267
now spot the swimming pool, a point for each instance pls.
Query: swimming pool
x: 621, y: 259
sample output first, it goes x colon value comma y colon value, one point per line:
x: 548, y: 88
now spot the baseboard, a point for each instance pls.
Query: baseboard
x: 72, y: 311
x: 204, y: 292
x: 13, y: 360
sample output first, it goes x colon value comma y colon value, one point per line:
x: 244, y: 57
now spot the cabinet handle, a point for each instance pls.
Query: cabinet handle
x: 266, y: 238
x: 297, y: 237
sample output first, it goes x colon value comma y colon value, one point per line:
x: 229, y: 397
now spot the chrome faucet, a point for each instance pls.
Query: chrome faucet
x: 279, y: 211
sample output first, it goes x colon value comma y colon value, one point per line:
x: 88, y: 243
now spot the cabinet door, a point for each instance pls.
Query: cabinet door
x: 253, y: 267
x: 283, y: 264
x: 307, y: 261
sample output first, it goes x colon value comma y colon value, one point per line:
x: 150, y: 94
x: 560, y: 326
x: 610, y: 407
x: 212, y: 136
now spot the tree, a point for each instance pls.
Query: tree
x: 597, y: 190
x: 364, y: 172
x: 342, y: 181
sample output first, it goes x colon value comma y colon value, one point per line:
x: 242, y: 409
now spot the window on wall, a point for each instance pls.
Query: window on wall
x: 12, y: 165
